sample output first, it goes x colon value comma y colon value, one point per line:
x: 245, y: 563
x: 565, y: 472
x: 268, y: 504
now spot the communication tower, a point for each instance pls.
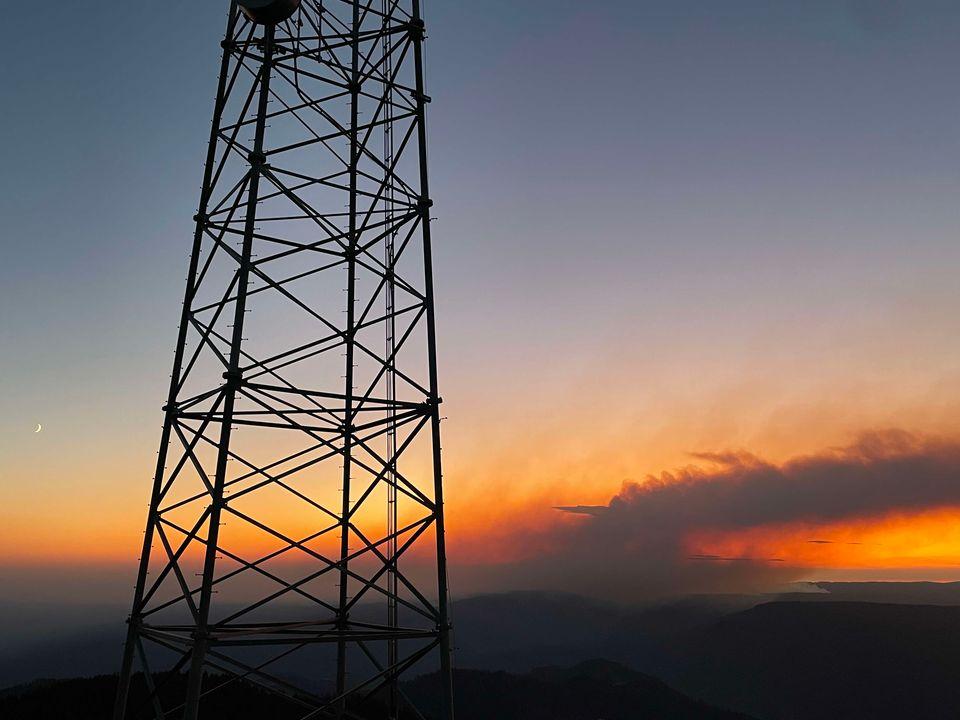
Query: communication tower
x: 295, y: 537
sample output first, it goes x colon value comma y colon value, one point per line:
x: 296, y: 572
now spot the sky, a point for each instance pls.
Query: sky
x: 690, y: 255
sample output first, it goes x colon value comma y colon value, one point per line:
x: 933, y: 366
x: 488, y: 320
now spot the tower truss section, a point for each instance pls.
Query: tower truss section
x: 294, y: 543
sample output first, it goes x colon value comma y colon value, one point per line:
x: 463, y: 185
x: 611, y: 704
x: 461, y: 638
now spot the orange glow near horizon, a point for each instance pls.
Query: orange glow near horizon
x: 501, y: 488
x: 927, y: 539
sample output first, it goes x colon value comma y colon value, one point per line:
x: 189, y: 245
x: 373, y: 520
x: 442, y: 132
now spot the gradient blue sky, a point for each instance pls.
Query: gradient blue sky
x: 683, y: 225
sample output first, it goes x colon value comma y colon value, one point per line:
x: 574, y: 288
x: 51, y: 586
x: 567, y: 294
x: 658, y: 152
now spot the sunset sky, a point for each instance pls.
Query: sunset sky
x: 696, y: 264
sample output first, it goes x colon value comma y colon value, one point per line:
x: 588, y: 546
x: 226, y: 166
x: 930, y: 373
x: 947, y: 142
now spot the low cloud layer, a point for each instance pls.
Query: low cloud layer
x: 636, y: 546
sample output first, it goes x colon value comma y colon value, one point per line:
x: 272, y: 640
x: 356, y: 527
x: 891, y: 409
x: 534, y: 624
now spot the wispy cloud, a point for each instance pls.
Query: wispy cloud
x: 592, y: 510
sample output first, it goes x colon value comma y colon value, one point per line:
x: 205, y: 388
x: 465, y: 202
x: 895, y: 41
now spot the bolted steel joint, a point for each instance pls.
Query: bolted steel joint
x: 233, y: 377
x: 416, y: 28
x: 420, y: 97
x: 424, y: 205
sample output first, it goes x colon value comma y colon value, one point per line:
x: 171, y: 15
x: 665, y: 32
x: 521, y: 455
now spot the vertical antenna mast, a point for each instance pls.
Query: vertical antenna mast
x: 389, y: 347
x: 304, y: 396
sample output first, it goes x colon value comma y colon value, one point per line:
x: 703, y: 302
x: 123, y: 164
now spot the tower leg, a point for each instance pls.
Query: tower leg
x: 133, y: 622
x: 446, y: 666
x: 233, y: 382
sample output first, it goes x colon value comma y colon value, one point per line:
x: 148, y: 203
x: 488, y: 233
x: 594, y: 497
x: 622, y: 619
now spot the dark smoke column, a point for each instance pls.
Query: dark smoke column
x: 295, y: 538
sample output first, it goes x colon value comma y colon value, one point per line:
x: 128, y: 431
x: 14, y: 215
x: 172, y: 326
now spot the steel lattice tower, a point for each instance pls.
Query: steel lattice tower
x: 295, y: 537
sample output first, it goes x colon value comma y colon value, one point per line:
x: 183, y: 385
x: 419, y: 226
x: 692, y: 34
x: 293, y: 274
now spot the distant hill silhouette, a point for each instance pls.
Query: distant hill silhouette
x: 829, y: 660
x: 803, y: 656
x: 903, y: 593
x: 92, y: 699
x: 515, y: 632
x: 587, y: 691
x: 524, y: 630
x: 591, y: 690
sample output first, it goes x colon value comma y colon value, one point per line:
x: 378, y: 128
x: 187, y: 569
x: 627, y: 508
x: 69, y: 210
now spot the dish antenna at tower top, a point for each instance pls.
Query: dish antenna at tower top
x: 268, y: 12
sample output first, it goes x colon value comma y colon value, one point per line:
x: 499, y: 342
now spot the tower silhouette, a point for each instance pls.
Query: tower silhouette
x: 295, y: 535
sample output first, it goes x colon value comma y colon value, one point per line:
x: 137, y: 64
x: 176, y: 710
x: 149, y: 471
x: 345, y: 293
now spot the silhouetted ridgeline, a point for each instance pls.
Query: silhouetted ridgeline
x: 828, y: 661
x: 92, y: 699
x: 597, y: 689
x: 590, y: 690
x: 803, y: 656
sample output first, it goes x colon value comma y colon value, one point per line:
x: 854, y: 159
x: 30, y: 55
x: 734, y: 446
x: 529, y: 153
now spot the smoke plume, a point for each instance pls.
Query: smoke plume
x: 635, y: 546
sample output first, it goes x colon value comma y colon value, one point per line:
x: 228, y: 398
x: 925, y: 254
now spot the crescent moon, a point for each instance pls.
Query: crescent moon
x: 39, y: 428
